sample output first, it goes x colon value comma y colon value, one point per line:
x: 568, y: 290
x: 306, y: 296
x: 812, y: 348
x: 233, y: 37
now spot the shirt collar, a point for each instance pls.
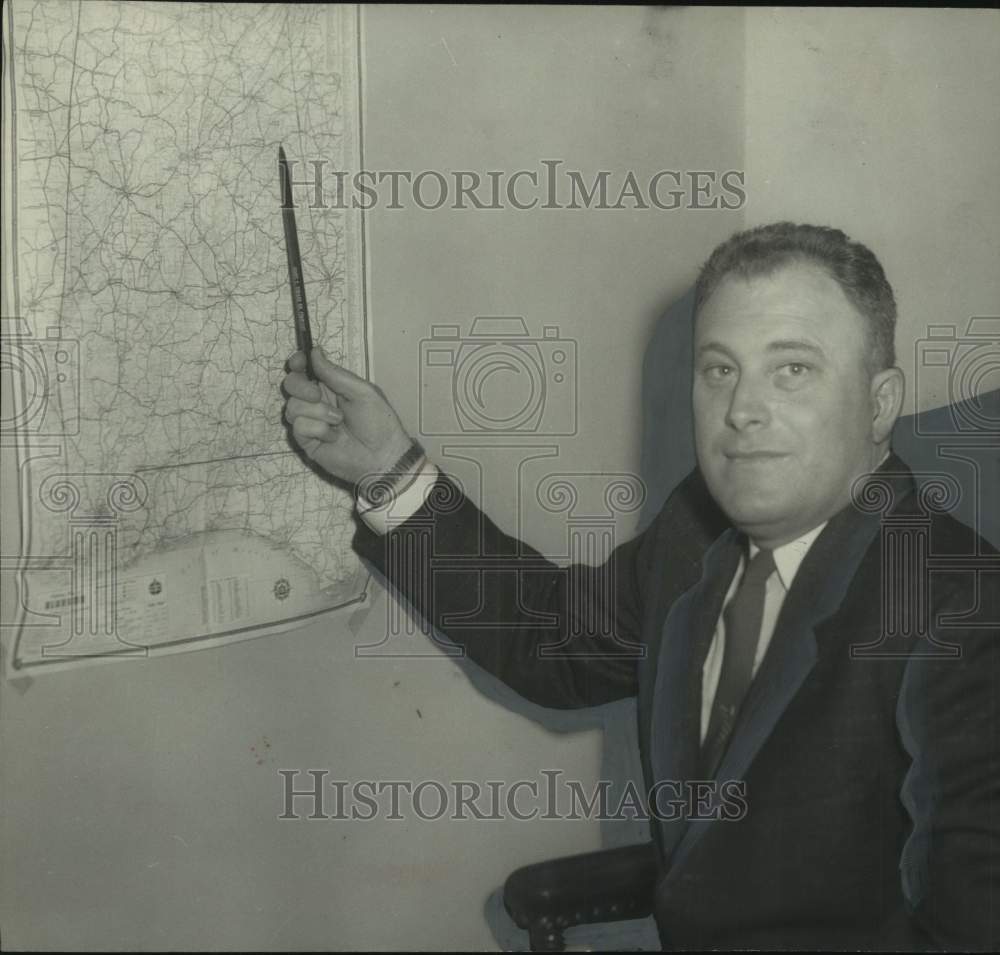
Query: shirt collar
x: 788, y: 557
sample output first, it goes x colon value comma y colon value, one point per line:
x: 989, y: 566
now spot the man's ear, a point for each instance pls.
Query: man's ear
x: 887, y: 390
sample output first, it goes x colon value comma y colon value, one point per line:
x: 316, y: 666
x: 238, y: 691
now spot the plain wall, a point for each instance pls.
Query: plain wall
x: 890, y: 130
x: 140, y: 800
x: 599, y: 88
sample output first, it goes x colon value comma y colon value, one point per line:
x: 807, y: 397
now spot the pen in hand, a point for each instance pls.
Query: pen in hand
x: 300, y: 311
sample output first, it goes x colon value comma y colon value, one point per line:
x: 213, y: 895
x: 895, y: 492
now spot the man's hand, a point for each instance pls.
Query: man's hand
x: 342, y: 422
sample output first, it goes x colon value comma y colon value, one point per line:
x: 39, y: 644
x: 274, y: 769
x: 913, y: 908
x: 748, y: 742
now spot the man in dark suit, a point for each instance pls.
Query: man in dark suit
x: 778, y: 621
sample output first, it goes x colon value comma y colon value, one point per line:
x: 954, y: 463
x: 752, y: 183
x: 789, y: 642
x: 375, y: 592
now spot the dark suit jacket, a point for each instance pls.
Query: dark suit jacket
x: 872, y: 778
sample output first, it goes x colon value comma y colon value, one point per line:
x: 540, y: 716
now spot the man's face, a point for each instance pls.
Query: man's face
x: 782, y: 400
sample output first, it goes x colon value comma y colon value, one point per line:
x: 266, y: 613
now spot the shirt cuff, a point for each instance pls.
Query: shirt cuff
x: 403, y: 505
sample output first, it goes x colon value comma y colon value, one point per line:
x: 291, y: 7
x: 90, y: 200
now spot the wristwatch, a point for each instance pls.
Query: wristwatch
x: 378, y: 490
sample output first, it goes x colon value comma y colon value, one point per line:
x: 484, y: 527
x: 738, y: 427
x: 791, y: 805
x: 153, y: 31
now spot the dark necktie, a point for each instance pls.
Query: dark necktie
x: 742, y: 617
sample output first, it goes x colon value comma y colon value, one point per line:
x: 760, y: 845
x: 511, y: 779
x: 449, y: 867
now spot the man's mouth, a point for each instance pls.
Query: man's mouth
x: 755, y: 455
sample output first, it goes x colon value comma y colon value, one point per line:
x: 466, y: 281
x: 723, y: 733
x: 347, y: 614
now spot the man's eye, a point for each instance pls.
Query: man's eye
x: 718, y: 372
x: 794, y: 371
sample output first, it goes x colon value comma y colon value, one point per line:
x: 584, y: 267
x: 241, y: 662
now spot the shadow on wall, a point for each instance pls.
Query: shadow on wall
x: 667, y: 451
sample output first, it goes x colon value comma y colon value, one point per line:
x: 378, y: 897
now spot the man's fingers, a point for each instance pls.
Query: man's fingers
x: 334, y: 380
x: 299, y: 386
x: 305, y: 428
x: 319, y: 410
x: 337, y: 378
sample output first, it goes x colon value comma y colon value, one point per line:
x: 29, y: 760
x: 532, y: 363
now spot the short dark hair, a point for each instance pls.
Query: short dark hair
x: 765, y: 249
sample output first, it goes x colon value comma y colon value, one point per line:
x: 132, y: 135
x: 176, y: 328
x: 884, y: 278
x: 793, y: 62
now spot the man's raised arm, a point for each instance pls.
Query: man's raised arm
x: 560, y: 636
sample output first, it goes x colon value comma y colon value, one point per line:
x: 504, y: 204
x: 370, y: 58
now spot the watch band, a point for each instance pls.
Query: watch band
x: 382, y: 489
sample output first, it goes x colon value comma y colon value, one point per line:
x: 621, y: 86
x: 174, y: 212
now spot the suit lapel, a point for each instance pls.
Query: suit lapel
x: 686, y: 635
x: 817, y: 592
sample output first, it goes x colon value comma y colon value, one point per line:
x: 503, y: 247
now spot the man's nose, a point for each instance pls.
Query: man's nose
x: 748, y: 405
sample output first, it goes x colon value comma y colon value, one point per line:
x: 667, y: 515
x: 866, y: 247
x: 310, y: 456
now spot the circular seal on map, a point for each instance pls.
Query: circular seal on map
x: 155, y: 587
x: 282, y: 588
